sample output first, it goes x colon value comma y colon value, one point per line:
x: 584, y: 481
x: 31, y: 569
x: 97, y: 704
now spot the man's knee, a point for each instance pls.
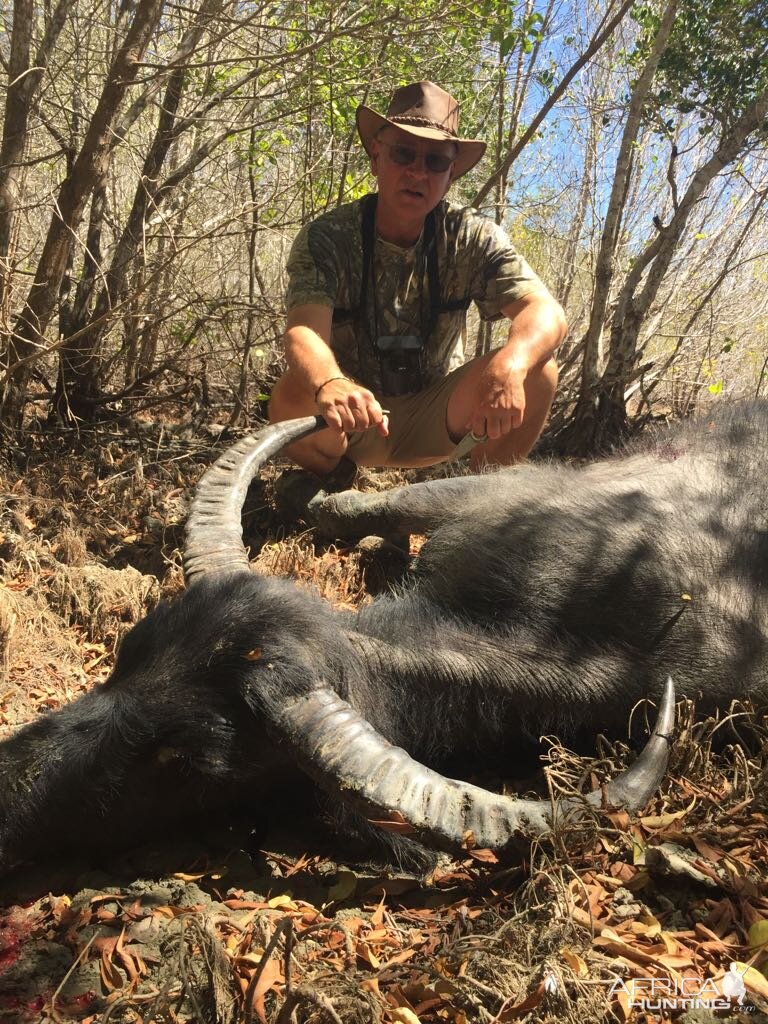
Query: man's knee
x: 319, y: 452
x: 288, y: 401
x: 542, y: 379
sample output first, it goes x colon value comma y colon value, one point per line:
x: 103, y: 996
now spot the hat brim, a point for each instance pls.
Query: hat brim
x: 470, y: 151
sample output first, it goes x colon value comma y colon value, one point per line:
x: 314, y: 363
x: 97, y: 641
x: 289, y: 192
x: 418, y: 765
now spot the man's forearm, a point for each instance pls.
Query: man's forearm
x: 345, y: 404
x: 309, y: 358
x: 537, y: 326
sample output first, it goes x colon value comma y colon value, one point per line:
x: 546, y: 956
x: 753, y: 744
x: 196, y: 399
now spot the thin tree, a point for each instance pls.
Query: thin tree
x: 582, y: 430
x: 28, y: 337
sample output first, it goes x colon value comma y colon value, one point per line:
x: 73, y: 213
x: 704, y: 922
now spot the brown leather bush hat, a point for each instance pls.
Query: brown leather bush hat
x: 426, y: 111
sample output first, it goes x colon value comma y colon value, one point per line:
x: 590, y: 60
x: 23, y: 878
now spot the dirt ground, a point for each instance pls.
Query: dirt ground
x: 223, y: 928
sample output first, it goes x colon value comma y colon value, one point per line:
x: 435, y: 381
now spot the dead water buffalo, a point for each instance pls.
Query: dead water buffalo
x: 549, y: 599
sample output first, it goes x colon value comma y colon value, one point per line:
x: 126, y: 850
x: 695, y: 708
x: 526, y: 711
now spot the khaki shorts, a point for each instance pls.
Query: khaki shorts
x: 418, y: 434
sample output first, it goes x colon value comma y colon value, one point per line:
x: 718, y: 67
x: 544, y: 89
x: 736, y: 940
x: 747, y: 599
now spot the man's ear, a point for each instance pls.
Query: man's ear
x: 451, y: 174
x: 374, y: 157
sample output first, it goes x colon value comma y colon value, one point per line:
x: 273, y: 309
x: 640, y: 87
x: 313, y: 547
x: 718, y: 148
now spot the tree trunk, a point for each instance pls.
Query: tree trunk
x: 80, y: 356
x: 76, y: 386
x: 23, y: 84
x: 28, y: 342
x: 631, y: 307
x: 580, y: 435
x: 17, y: 109
x: 567, y: 273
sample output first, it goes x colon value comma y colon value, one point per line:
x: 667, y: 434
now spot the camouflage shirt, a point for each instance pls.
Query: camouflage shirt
x: 476, y: 262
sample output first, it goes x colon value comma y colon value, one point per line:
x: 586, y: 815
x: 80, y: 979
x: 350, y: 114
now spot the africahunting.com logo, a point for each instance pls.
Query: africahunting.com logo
x: 684, y: 993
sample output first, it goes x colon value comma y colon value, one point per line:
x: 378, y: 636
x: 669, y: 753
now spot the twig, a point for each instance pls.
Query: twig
x: 139, y: 997
x: 761, y: 377
x: 308, y: 995
x: 492, y: 993
x: 289, y: 941
x: 285, y: 925
x: 53, y: 1012
x: 187, y: 988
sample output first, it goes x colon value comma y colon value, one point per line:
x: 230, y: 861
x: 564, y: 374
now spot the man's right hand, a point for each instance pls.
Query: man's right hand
x: 343, y: 404
x: 347, y: 406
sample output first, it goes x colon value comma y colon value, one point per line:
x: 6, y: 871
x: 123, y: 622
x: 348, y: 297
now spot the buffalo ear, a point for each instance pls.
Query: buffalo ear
x: 266, y: 685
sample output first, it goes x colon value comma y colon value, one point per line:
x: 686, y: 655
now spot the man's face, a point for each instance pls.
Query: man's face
x: 412, y: 187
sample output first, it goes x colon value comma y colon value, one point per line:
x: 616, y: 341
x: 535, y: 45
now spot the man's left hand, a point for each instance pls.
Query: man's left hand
x: 500, y: 399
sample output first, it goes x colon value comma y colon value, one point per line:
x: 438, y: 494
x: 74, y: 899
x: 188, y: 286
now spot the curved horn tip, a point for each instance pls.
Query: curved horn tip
x: 634, y: 788
x: 665, y: 719
x: 213, y: 531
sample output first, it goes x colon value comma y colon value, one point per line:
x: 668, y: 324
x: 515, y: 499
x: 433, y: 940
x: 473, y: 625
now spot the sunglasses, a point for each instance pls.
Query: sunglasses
x: 437, y: 163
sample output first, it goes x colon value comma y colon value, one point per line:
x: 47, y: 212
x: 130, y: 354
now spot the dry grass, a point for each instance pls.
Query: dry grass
x: 335, y: 573
x: 104, y: 602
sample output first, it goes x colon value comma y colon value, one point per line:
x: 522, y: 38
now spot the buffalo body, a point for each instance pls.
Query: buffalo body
x: 548, y: 600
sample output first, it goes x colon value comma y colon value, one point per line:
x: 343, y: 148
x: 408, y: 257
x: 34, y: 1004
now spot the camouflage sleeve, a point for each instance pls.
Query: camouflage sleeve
x: 312, y: 270
x: 501, y: 275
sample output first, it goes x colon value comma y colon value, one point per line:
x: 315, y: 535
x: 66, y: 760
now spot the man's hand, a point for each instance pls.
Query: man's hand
x: 537, y: 326
x: 347, y: 406
x: 315, y: 375
x: 499, y: 404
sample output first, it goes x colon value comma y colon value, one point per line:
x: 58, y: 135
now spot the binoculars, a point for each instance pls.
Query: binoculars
x: 400, y: 359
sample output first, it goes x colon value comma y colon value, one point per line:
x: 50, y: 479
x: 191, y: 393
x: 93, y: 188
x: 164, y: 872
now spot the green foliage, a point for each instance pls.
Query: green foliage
x: 716, y: 62
x: 355, y: 188
x: 711, y: 367
x: 526, y: 33
x: 438, y: 42
x: 267, y: 149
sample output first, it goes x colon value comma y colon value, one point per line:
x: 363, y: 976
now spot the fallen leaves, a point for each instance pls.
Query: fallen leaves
x: 677, y: 960
x: 710, y: 909
x: 755, y: 982
x: 115, y: 955
x: 403, y: 1015
x: 417, y: 961
x: 345, y: 886
x: 654, y: 821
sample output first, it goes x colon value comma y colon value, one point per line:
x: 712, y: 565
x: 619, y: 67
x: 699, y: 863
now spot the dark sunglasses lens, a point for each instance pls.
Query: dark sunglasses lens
x: 438, y: 163
x: 403, y: 155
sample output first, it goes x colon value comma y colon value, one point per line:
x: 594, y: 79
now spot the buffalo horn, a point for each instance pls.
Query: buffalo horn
x: 214, y: 532
x: 346, y: 755
x: 343, y: 751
